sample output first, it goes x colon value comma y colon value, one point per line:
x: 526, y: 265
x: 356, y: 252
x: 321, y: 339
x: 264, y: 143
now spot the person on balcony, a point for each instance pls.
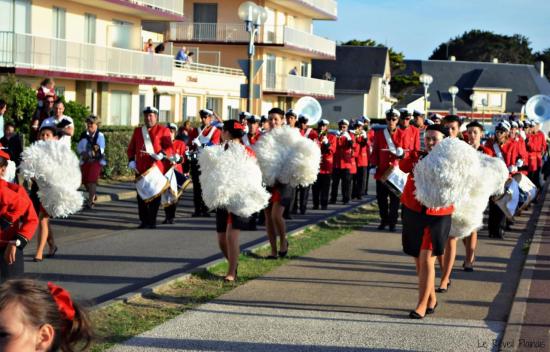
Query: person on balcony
x: 181, y: 57
x: 294, y: 71
x: 149, y: 46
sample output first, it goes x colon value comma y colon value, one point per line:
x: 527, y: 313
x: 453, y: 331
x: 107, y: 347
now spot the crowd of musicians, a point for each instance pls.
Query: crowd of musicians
x: 348, y: 155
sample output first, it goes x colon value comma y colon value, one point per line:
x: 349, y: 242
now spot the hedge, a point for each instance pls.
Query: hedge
x: 117, y: 139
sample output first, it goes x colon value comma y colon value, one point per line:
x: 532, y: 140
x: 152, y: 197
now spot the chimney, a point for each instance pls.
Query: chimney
x: 452, y: 58
x: 540, y: 66
x: 495, y: 60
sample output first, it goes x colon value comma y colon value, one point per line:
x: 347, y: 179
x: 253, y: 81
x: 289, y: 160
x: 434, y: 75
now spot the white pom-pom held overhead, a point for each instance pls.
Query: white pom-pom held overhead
x: 285, y: 156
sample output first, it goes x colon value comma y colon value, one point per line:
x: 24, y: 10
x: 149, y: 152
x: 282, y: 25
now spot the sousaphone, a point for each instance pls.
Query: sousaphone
x: 310, y: 108
x: 538, y: 108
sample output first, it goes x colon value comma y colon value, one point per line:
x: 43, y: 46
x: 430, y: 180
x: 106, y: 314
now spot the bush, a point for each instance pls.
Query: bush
x: 79, y: 113
x: 117, y: 139
x: 22, y: 103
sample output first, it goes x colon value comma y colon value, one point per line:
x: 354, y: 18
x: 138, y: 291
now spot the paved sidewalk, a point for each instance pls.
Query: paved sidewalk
x: 354, y: 295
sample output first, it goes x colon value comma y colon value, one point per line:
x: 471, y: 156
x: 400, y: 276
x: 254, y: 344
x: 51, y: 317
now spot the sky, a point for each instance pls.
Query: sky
x: 417, y: 27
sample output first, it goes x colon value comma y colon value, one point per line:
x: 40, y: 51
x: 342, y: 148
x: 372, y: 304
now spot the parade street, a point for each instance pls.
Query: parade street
x: 354, y: 295
x: 102, y: 255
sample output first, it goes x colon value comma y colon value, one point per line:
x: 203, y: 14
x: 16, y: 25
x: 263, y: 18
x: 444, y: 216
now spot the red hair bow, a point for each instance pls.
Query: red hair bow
x: 63, y: 300
x: 238, y: 126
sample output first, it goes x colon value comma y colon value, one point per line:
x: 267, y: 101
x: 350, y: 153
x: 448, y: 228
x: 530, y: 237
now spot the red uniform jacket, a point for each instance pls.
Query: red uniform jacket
x: 362, y: 151
x: 327, y: 153
x: 17, y: 208
x: 410, y: 139
x: 180, y: 148
x: 512, y: 150
x: 343, y: 156
x: 162, y: 142
x: 536, y: 146
x: 215, y: 139
x: 312, y: 134
x: 407, y: 198
x: 251, y: 138
x: 381, y: 157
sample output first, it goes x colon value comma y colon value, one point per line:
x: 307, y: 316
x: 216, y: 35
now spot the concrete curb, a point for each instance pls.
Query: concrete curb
x: 149, y: 290
x: 512, y: 332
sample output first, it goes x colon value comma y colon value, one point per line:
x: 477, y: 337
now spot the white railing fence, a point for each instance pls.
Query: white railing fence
x: 298, y: 85
x: 175, y: 6
x: 197, y: 67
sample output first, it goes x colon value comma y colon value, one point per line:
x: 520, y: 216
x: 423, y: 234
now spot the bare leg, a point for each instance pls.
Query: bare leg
x: 233, y: 250
x: 271, y: 235
x: 91, y: 187
x: 279, y: 223
x: 470, y: 243
x: 42, y: 235
x: 426, y: 281
x: 222, y: 243
x: 448, y: 262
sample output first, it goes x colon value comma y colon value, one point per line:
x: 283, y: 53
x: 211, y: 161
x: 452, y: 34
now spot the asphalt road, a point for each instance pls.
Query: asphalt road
x: 102, y: 255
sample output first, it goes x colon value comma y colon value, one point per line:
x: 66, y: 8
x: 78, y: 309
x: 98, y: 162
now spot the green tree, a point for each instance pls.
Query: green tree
x: 544, y: 56
x: 478, y: 45
x: 21, y: 100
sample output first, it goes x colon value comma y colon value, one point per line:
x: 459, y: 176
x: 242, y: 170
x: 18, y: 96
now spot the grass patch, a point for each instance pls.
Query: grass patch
x: 120, y: 321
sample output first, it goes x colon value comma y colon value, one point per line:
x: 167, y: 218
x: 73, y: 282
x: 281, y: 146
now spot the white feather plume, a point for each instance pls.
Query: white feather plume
x: 9, y: 175
x: 490, y: 179
x: 56, y: 169
x: 232, y: 179
x: 444, y: 176
x: 286, y: 156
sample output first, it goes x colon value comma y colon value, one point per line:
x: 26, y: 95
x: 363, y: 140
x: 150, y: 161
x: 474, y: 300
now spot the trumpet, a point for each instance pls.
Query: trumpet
x: 323, y: 133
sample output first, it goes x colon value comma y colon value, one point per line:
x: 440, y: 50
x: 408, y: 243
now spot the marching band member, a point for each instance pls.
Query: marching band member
x: 419, y: 122
x: 302, y: 193
x: 425, y: 230
x: 386, y: 151
x: 281, y: 197
x: 361, y: 155
x: 228, y: 225
x: 179, y: 161
x: 536, y: 147
x: 436, y: 118
x: 291, y: 118
x: 150, y: 146
x: 264, y: 124
x: 251, y: 137
x: 18, y: 223
x: 370, y: 135
x: 343, y: 163
x: 410, y: 136
x: 243, y: 119
x: 207, y: 134
x: 321, y: 187
x: 453, y: 122
x: 512, y: 153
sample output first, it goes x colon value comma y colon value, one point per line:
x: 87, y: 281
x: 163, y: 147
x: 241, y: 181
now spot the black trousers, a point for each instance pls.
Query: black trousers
x: 359, y: 183
x: 198, y: 202
x: 535, y: 177
x: 320, y: 190
x: 170, y: 211
x: 367, y: 180
x: 13, y: 271
x: 148, y: 211
x: 301, y: 198
x: 497, y: 221
x: 337, y: 176
x: 388, y: 204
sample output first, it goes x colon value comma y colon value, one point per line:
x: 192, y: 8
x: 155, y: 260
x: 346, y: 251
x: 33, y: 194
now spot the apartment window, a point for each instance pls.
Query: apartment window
x: 189, y: 110
x: 304, y: 69
x: 205, y: 18
x: 89, y: 28
x: 59, y: 91
x: 58, y: 22
x: 271, y: 71
x: 18, y: 16
x: 214, y: 104
x: 121, y: 108
x: 495, y: 100
x: 121, y: 34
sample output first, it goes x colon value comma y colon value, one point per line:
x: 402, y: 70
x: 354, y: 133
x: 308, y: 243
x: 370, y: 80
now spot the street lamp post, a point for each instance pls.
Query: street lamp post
x: 426, y: 80
x: 484, y: 104
x: 472, y: 99
x: 253, y: 16
x: 453, y: 90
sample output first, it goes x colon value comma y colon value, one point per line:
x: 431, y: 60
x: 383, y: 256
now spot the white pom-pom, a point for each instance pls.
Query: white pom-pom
x: 444, y: 176
x: 9, y: 175
x: 286, y: 156
x: 231, y: 179
x: 490, y: 179
x: 56, y: 169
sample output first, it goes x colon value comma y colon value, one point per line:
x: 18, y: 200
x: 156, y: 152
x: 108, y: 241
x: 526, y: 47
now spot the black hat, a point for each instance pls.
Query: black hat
x: 452, y: 118
x: 439, y: 128
x: 205, y: 113
x: 91, y: 119
x: 253, y: 119
x: 302, y: 119
x: 475, y: 124
x: 263, y: 119
x: 150, y: 109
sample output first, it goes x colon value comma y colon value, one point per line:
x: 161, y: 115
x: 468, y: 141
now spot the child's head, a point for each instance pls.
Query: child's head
x: 39, y: 317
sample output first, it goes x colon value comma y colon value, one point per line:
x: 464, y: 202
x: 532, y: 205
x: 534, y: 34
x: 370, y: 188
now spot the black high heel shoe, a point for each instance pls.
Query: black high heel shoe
x: 283, y: 254
x: 443, y: 290
x: 414, y: 315
x: 52, y: 254
x: 432, y: 310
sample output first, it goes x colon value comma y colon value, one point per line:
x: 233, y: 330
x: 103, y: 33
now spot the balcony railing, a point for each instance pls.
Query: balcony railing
x: 174, y: 6
x: 236, y: 33
x: 328, y: 6
x: 28, y: 51
x: 298, y: 85
x: 316, y: 9
x: 196, y: 67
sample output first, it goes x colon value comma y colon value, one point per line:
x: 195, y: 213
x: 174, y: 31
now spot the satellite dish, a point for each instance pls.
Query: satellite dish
x: 538, y: 108
x: 310, y: 108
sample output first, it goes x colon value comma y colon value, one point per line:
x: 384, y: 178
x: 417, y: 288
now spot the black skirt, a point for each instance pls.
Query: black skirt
x: 222, y: 217
x: 413, y: 230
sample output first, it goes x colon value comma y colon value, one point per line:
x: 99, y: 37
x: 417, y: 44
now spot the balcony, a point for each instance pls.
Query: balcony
x: 289, y: 39
x: 298, y: 86
x: 315, y: 9
x: 32, y: 55
x: 151, y: 10
x: 197, y: 78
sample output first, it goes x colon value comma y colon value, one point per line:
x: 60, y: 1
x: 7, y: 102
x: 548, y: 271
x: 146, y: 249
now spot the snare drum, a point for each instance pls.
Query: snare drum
x: 395, y: 180
x: 527, y: 190
x: 508, y: 202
